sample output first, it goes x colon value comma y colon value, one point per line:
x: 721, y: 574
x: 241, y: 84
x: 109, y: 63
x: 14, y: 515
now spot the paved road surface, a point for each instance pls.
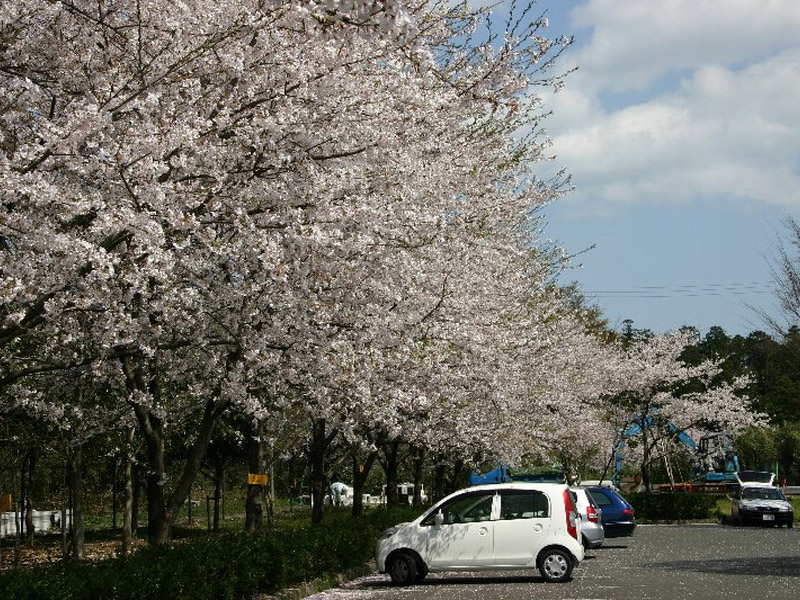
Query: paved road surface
x: 706, y: 562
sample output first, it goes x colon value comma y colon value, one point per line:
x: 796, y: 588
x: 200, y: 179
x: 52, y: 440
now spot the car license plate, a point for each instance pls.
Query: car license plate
x: 768, y: 517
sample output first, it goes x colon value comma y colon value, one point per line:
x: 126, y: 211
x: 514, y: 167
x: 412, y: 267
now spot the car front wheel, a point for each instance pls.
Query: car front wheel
x: 404, y: 569
x: 555, y: 566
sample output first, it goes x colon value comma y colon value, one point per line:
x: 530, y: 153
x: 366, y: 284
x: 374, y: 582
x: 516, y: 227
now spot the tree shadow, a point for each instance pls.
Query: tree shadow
x: 780, y: 566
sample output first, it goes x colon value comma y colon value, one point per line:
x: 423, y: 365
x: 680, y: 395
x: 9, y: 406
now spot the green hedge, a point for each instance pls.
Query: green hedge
x: 229, y: 566
x: 676, y: 506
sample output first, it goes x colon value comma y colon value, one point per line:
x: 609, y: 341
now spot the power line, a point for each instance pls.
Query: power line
x: 687, y: 290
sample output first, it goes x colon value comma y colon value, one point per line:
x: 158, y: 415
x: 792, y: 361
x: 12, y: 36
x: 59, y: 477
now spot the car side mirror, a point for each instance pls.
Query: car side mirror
x: 438, y: 519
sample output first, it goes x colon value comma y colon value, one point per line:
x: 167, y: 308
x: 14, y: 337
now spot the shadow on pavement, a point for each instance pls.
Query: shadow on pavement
x: 781, y: 566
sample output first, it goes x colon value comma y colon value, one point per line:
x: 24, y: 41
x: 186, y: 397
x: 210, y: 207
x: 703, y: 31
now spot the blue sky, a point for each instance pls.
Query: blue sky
x: 681, y: 129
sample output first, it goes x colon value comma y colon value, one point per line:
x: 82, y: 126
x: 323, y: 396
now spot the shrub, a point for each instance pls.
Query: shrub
x: 673, y: 506
x: 229, y: 566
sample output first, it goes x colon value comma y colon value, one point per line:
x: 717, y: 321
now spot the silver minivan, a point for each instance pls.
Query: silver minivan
x: 499, y: 526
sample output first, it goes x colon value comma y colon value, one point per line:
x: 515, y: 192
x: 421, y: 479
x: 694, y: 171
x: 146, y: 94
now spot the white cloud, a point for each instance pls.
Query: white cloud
x: 727, y: 128
x: 636, y: 41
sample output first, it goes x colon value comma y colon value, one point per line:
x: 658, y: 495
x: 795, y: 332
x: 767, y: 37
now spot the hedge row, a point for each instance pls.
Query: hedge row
x: 229, y: 566
x: 677, y: 506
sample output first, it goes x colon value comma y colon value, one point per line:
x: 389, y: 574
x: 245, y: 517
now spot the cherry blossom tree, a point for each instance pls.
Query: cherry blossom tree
x: 654, y: 388
x: 76, y: 407
x: 577, y: 435
x: 266, y: 204
x: 150, y: 153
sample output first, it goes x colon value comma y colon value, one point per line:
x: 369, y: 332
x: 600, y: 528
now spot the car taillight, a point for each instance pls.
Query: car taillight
x: 572, y: 527
x: 627, y: 512
x: 591, y: 514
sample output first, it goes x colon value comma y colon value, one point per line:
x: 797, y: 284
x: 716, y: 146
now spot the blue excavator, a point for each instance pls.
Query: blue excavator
x: 715, y: 459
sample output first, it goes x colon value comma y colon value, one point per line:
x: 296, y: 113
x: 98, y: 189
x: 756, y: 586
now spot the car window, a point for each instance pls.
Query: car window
x: 574, y: 497
x: 466, y: 508
x: 524, y: 504
x: 584, y: 500
x: 762, y: 494
x: 600, y: 498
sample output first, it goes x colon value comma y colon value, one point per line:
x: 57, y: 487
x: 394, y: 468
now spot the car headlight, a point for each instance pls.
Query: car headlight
x: 389, y: 532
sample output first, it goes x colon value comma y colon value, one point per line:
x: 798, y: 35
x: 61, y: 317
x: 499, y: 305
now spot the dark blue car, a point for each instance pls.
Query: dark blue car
x: 618, y: 517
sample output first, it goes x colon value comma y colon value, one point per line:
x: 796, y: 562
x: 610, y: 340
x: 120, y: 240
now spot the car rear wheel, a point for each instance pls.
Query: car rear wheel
x: 404, y: 569
x: 555, y: 566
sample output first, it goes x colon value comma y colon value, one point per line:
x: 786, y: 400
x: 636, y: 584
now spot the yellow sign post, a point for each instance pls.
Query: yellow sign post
x: 256, y: 479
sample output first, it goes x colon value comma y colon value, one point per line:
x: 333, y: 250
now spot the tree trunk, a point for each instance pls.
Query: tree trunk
x: 317, y: 460
x: 162, y: 508
x: 361, y: 470
x: 219, y: 473
x: 438, y: 481
x: 321, y: 439
x: 128, y: 530
x: 256, y: 464
x: 76, y: 489
x: 457, y: 479
x: 391, y: 452
x: 271, y: 489
x: 64, y: 531
x: 18, y: 536
x: 417, y: 467
x: 115, y: 492
x: 159, y: 521
x: 295, y: 490
x: 29, y: 524
x: 646, y: 461
x: 26, y: 519
x: 136, y: 477
x: 15, y: 506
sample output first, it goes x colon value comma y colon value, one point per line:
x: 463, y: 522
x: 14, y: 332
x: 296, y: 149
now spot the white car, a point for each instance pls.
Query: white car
x: 499, y: 526
x: 763, y: 504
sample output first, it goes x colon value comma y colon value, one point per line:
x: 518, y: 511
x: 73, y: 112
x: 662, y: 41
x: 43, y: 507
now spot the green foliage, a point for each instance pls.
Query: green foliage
x: 220, y: 567
x: 757, y: 448
x: 775, y: 448
x: 772, y: 363
x: 676, y: 506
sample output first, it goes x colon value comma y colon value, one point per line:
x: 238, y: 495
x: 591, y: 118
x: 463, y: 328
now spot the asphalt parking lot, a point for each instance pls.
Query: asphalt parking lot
x: 658, y: 562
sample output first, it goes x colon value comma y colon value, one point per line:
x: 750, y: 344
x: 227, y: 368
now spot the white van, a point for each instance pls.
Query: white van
x: 500, y: 526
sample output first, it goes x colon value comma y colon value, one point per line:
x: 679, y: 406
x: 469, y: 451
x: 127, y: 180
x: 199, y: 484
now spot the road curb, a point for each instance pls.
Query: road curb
x: 320, y: 584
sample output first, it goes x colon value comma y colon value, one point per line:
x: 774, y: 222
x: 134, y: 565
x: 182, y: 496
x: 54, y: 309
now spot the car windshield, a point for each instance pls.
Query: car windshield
x: 764, y: 493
